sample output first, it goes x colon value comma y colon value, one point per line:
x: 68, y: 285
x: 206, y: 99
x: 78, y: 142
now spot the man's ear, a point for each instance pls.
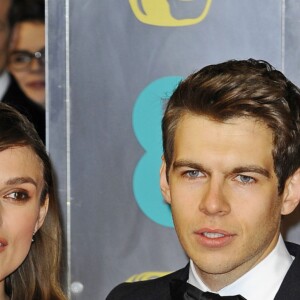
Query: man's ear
x: 42, y: 214
x: 291, y: 193
x: 164, y: 184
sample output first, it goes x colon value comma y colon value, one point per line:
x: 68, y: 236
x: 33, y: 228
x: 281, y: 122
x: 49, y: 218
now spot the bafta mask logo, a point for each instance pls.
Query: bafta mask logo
x: 158, y: 13
x: 146, y: 276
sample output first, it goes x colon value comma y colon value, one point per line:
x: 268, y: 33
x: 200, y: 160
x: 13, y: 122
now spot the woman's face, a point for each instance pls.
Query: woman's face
x: 29, y: 38
x: 21, y: 184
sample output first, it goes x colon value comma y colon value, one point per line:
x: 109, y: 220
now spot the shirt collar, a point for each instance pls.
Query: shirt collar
x: 4, y: 83
x: 253, y: 285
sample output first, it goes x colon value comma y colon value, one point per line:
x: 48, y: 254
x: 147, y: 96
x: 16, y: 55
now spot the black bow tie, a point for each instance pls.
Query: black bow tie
x: 181, y: 290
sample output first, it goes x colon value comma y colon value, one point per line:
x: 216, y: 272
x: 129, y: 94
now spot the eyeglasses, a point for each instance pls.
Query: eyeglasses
x: 22, y: 60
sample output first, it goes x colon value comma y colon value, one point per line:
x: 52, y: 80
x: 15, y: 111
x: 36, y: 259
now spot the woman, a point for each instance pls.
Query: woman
x: 27, y: 50
x: 30, y: 232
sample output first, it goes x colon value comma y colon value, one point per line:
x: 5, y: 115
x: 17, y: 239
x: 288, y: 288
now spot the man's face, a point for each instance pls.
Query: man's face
x: 4, y: 32
x: 224, y: 194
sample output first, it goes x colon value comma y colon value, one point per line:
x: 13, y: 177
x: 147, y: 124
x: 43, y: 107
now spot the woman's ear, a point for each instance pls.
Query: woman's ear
x: 291, y: 193
x: 164, y: 184
x: 42, y: 214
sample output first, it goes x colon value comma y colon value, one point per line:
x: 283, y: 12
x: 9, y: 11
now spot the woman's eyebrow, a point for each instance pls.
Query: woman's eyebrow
x: 20, y: 180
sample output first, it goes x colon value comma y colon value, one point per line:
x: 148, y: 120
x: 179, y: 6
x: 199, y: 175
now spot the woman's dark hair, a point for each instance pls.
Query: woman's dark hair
x: 39, y: 275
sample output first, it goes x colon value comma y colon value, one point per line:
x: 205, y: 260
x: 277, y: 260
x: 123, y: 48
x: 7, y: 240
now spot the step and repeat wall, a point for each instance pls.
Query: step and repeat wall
x: 111, y: 67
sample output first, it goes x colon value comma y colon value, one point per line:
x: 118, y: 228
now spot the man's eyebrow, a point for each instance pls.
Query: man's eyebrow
x: 253, y: 169
x: 20, y: 180
x: 242, y: 169
x: 187, y: 164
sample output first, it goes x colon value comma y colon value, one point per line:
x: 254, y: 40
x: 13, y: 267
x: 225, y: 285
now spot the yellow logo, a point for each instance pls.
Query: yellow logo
x: 158, y: 13
x: 146, y: 276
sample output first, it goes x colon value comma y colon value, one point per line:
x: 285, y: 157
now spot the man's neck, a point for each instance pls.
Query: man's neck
x: 274, y: 267
x: 217, y: 281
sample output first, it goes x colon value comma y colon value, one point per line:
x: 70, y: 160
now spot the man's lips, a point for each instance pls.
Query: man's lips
x: 214, y: 238
x: 36, y: 84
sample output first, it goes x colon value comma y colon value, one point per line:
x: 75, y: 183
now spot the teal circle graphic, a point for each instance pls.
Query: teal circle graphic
x: 146, y: 121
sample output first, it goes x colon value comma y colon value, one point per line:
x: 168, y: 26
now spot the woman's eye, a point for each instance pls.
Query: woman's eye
x: 21, y: 58
x: 18, y: 196
x: 245, y: 179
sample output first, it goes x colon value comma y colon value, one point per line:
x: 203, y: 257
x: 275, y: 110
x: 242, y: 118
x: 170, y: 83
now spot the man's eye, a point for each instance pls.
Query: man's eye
x: 193, y: 174
x: 245, y: 179
x: 18, y: 196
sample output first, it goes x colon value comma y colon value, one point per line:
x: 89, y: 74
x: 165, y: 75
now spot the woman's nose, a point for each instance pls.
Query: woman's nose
x: 36, y: 65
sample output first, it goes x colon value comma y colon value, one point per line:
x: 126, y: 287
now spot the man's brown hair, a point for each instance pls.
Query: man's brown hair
x: 245, y: 88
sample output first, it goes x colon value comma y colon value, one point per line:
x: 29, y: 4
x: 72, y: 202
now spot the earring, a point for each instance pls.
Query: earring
x: 32, y: 239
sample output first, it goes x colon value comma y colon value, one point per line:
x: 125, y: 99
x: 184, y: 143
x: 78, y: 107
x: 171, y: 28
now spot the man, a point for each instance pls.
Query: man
x: 10, y: 92
x: 230, y: 170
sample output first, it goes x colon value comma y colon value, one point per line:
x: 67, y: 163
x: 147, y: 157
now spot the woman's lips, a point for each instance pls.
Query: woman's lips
x: 3, y: 244
x: 214, y: 238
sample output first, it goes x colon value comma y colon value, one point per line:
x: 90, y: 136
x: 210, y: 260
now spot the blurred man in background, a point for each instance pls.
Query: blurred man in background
x: 10, y: 92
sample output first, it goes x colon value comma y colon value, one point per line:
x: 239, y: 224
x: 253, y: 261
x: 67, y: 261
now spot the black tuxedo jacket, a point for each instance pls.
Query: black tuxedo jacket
x: 15, y: 97
x: 158, y: 289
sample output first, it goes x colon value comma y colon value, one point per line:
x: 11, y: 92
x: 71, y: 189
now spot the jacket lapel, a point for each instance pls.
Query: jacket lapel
x: 290, y: 287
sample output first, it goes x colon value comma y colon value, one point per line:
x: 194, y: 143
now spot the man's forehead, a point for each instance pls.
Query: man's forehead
x: 238, y: 132
x: 229, y: 121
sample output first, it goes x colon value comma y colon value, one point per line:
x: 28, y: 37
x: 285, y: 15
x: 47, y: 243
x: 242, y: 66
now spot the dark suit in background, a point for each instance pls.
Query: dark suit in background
x: 17, y: 99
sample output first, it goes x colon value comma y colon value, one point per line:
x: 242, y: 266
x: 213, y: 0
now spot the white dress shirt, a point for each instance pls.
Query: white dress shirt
x: 260, y: 283
x: 4, y: 83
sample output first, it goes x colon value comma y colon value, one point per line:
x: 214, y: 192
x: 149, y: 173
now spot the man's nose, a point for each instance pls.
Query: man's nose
x: 214, y: 200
